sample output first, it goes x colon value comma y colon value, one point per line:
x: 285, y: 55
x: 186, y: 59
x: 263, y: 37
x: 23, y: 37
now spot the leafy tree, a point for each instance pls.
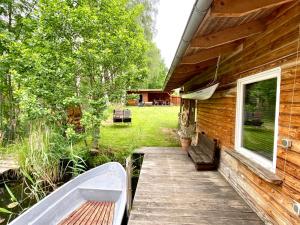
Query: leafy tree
x: 148, y: 17
x: 79, y: 53
x: 156, y: 68
x: 12, y: 31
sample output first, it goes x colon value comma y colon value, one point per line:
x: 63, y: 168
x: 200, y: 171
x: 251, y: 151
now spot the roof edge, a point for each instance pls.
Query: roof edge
x: 197, y: 15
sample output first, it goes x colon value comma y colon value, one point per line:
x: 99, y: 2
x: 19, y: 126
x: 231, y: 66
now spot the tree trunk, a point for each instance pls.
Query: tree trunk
x: 95, y: 138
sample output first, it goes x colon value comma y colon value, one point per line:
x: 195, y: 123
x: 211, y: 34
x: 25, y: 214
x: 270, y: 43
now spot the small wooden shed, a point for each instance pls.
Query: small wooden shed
x: 251, y: 50
x: 154, y: 97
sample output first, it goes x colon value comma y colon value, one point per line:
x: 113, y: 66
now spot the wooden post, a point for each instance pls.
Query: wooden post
x: 129, y: 188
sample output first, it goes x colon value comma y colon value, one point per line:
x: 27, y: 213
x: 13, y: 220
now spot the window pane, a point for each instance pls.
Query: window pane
x: 259, y: 117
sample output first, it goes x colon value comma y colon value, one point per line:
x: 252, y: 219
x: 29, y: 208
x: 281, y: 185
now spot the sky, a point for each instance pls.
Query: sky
x: 170, y: 23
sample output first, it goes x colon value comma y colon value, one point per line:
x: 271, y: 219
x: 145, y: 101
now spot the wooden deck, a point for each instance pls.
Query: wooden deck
x: 91, y: 212
x: 171, y: 192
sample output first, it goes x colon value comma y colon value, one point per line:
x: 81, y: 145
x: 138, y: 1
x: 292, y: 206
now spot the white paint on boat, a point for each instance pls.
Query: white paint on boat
x: 201, y: 94
x: 107, y: 182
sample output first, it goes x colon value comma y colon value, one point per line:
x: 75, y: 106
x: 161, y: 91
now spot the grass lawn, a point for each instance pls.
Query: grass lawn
x: 151, y: 126
x: 260, y: 140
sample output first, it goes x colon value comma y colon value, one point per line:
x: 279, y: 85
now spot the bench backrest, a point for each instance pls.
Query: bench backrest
x: 207, y: 145
x: 118, y: 113
x: 127, y: 113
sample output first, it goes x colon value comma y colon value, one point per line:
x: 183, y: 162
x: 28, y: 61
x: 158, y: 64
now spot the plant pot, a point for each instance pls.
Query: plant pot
x: 185, y: 143
x: 132, y: 102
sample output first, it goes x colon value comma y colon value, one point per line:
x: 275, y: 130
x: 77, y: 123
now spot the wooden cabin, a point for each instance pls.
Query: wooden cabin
x: 251, y: 50
x: 153, y: 97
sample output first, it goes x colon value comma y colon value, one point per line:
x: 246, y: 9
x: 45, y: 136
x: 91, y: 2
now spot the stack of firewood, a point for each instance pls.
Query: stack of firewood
x: 74, y: 116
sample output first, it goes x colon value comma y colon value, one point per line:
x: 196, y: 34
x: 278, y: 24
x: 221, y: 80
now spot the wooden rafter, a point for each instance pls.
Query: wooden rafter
x: 192, y: 68
x: 228, y: 35
x: 238, y: 8
x: 207, y: 54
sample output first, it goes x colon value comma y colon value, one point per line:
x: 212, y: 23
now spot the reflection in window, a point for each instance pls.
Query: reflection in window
x: 259, y: 117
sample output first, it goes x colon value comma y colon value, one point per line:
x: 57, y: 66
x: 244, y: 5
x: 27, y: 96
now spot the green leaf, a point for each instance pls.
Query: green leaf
x: 12, y: 196
x: 3, y: 210
x: 12, y: 205
x: 27, y: 176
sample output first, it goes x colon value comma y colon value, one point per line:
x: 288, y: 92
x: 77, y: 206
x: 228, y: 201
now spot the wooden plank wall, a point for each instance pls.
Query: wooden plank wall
x: 277, y: 46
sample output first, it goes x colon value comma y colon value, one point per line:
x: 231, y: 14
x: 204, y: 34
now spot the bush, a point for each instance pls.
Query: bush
x: 132, y: 96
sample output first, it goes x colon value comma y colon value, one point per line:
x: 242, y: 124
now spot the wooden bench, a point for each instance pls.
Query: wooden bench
x: 205, y: 154
x: 91, y: 212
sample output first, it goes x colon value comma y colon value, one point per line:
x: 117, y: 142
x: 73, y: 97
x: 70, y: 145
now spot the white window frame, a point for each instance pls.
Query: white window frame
x: 241, y: 83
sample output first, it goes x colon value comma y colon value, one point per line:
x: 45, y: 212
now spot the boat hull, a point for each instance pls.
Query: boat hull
x: 106, y: 183
x: 202, y: 94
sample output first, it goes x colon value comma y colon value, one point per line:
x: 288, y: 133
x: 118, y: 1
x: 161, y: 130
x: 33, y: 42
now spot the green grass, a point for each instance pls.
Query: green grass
x: 260, y: 140
x: 151, y: 126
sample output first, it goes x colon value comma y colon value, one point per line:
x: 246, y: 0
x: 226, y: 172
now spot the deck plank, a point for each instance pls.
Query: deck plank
x: 171, y: 192
x: 91, y: 213
x: 100, y: 206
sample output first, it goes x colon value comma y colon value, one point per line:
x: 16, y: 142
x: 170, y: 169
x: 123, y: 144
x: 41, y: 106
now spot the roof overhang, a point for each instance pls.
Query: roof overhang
x: 146, y: 90
x: 217, y: 28
x: 198, y: 13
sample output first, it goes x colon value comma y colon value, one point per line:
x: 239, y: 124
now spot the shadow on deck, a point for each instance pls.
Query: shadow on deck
x: 170, y: 191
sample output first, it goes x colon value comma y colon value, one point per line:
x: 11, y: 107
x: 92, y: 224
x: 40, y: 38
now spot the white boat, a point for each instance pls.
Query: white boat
x: 97, y: 196
x: 201, y: 94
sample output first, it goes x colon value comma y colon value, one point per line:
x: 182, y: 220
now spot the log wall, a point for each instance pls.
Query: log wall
x: 277, y: 46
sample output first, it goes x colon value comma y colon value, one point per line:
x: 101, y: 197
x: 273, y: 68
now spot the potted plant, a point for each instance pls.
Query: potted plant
x: 132, y: 99
x: 186, y: 134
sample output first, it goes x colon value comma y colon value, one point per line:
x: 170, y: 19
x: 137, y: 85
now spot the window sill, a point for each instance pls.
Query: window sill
x: 260, y: 171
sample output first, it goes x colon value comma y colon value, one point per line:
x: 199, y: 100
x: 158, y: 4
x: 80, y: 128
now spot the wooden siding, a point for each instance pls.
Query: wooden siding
x: 277, y: 46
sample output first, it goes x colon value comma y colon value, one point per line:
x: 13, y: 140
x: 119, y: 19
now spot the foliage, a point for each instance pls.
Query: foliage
x: 147, y: 19
x: 40, y: 154
x: 55, y: 54
x: 261, y: 95
x: 12, y: 32
x: 69, y: 50
x: 157, y: 69
x: 132, y: 96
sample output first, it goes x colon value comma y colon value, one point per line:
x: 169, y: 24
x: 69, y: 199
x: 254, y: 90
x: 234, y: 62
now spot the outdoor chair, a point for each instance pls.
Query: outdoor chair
x: 122, y: 116
x: 126, y: 116
x: 118, y: 116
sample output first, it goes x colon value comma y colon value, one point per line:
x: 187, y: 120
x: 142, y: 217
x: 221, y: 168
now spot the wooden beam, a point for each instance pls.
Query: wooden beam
x: 238, y: 8
x: 211, y: 53
x: 194, y: 68
x: 228, y: 35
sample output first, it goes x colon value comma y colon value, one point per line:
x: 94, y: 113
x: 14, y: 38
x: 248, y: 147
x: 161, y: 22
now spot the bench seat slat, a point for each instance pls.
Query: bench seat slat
x: 205, y: 153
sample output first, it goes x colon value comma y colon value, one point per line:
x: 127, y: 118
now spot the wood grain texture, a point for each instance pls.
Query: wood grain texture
x: 276, y: 46
x: 228, y: 35
x: 91, y: 213
x: 238, y: 8
x: 256, y: 168
x: 208, y: 54
x: 171, y: 191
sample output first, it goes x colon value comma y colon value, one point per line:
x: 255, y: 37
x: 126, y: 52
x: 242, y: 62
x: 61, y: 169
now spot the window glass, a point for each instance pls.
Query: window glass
x: 259, y: 112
